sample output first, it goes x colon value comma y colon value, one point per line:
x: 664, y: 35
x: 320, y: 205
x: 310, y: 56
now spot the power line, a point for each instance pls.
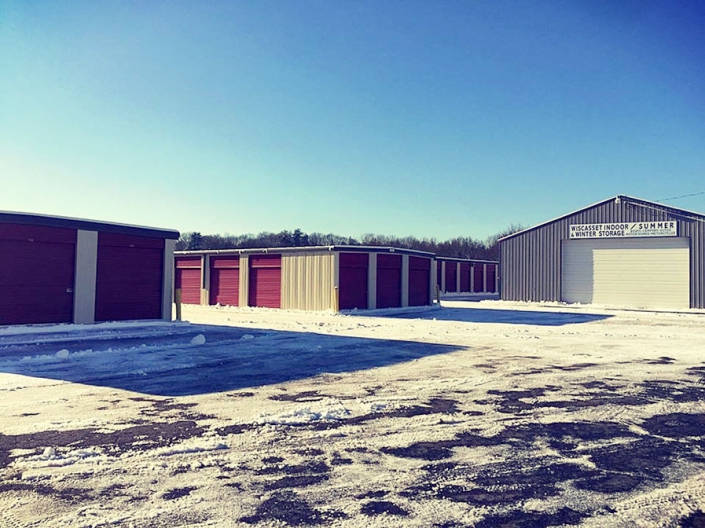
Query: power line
x: 679, y: 197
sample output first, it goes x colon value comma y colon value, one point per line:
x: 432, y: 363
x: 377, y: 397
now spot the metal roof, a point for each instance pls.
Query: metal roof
x: 11, y: 217
x: 350, y: 249
x: 620, y: 197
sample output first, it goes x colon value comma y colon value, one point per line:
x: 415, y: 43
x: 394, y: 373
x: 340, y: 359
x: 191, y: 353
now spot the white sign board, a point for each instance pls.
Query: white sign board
x: 624, y: 230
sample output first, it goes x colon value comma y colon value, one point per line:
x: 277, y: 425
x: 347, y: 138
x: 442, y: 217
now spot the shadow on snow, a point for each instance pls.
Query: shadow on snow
x: 165, y: 359
x: 492, y: 315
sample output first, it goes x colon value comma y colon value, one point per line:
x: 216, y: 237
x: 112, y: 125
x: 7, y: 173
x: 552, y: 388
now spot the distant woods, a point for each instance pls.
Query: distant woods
x: 459, y: 247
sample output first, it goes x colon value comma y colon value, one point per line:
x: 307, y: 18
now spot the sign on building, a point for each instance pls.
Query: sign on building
x: 625, y: 230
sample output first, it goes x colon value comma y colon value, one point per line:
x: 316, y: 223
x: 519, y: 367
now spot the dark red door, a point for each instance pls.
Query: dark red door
x: 352, y: 281
x: 478, y: 277
x: 491, y: 277
x: 388, y: 281
x: 225, y: 280
x: 37, y: 270
x: 419, y: 280
x: 464, y: 277
x: 265, y: 281
x: 129, y: 277
x: 451, y: 276
x: 188, y: 279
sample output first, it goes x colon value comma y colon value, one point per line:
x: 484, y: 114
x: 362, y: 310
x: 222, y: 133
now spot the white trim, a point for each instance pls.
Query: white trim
x: 372, y: 281
x: 404, y: 281
x: 168, y: 279
x: 84, y: 287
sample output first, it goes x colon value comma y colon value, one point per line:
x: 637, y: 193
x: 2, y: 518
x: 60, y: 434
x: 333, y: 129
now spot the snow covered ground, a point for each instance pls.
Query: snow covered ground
x: 474, y: 414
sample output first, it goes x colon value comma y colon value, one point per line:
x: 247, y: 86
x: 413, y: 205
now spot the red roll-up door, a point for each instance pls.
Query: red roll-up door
x: 491, y: 274
x: 419, y: 280
x: 37, y: 270
x: 129, y: 277
x: 464, y: 277
x: 478, y: 277
x: 188, y: 279
x: 352, y: 280
x: 451, y: 276
x: 388, y: 281
x: 265, y: 281
x: 225, y: 280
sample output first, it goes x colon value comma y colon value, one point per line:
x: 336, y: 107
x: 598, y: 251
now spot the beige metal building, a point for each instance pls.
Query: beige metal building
x: 307, y: 278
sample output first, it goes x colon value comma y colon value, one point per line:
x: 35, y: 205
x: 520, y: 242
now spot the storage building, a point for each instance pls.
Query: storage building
x: 307, y: 278
x: 455, y: 275
x: 64, y: 270
x: 621, y: 252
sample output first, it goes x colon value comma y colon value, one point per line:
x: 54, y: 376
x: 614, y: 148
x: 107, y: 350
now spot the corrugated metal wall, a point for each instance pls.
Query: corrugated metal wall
x: 308, y: 280
x: 531, y: 261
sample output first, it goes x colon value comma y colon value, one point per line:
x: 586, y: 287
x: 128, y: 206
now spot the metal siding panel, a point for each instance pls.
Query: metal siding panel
x: 388, y: 281
x: 225, y: 286
x: 451, y: 275
x: 265, y: 281
x: 491, y: 281
x: 307, y: 281
x: 478, y: 277
x: 36, y: 281
x: 30, y: 233
x: 188, y: 280
x: 419, y: 281
x: 465, y: 270
x: 353, y: 288
x: 635, y: 273
x: 265, y: 261
x: 187, y: 262
x: 129, y: 282
x: 232, y: 261
x: 120, y: 240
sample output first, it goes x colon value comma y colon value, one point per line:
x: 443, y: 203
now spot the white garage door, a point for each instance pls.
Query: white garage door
x: 627, y: 272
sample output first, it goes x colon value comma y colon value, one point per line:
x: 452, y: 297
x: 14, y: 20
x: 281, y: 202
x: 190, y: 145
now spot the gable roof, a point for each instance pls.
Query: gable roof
x: 11, y: 217
x: 691, y: 215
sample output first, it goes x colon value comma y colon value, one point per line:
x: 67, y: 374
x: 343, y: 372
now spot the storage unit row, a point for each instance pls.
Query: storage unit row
x: 63, y: 270
x: 313, y: 278
x: 466, y: 275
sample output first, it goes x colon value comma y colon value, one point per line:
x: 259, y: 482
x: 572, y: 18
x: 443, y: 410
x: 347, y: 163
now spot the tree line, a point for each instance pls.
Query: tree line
x: 458, y: 247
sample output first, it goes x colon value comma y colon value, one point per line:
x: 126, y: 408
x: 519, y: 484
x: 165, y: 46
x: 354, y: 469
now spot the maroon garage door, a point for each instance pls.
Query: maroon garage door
x: 352, y: 281
x: 464, y: 277
x: 451, y: 268
x: 388, y: 281
x: 188, y: 279
x: 36, y: 274
x: 478, y: 277
x: 129, y: 278
x: 225, y: 280
x: 419, y: 280
x: 265, y: 281
x: 491, y: 277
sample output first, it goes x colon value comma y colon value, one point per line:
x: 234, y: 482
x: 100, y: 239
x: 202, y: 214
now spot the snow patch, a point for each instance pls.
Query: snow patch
x: 182, y: 449
x: 324, y: 412
x: 200, y: 339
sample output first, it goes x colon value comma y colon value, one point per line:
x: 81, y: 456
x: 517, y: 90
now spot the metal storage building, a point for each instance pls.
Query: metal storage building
x: 621, y: 252
x: 307, y: 278
x: 456, y: 275
x: 64, y: 270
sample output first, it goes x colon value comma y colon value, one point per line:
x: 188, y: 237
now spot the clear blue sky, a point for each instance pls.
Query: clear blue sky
x: 427, y: 118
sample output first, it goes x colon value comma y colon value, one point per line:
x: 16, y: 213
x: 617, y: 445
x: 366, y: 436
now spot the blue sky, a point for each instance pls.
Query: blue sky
x: 429, y: 118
